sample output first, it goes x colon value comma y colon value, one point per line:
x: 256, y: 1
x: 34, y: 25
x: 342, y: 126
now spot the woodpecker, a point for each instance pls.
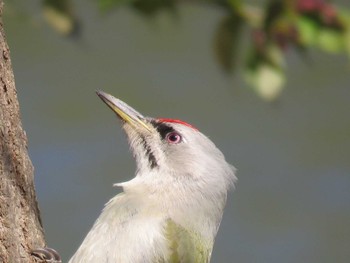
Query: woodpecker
x: 171, y: 210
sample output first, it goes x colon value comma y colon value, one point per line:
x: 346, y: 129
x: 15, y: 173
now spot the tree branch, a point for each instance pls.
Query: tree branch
x: 20, y: 225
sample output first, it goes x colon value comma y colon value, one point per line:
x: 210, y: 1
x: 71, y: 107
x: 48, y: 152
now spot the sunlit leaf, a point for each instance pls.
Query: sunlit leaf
x: 265, y: 72
x: 330, y: 40
x: 307, y: 30
x: 60, y: 16
x: 345, y: 19
x: 347, y: 41
x: 267, y: 81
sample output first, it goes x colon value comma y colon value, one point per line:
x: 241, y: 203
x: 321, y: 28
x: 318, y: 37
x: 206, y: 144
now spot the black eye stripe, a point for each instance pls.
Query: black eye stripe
x: 162, y: 128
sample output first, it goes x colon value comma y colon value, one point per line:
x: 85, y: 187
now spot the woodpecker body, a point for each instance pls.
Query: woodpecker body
x: 170, y: 212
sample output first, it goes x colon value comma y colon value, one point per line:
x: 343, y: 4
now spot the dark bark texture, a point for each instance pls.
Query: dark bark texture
x: 20, y: 225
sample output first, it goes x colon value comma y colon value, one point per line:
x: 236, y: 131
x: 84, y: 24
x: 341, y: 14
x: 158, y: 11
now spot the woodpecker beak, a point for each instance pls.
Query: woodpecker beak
x: 124, y: 111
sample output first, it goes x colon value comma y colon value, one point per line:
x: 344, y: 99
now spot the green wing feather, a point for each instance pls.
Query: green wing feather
x: 185, y: 246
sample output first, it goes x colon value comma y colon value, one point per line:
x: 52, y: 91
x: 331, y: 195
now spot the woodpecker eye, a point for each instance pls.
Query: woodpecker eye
x: 173, y: 137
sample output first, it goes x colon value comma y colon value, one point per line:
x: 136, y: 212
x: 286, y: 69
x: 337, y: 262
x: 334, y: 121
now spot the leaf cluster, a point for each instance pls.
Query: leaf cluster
x: 274, y: 29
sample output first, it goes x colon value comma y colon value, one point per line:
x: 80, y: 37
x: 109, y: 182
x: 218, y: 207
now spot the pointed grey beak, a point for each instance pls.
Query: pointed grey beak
x: 124, y: 111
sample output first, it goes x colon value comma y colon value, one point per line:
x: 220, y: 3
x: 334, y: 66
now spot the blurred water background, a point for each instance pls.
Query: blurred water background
x: 292, y: 200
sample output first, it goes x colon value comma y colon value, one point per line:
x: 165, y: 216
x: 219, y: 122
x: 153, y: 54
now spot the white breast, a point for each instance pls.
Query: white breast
x: 123, y: 234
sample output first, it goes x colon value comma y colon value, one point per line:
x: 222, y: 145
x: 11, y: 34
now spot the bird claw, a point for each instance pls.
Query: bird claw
x: 48, y: 254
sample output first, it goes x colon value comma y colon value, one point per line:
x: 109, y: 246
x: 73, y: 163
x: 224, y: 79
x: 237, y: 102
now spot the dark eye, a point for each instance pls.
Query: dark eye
x: 173, y: 137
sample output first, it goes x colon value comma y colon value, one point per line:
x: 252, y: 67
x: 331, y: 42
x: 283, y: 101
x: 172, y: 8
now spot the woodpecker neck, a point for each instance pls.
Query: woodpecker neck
x: 194, y: 204
x: 186, y: 181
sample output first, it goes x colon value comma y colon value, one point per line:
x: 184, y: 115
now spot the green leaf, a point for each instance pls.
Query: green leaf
x: 60, y: 15
x: 265, y: 72
x: 344, y: 16
x: 307, y: 30
x: 107, y: 5
x: 347, y: 41
x: 149, y: 8
x: 330, y: 40
x: 226, y: 41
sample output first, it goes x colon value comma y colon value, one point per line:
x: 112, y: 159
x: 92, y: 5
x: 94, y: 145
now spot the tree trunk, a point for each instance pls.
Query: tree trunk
x: 20, y: 225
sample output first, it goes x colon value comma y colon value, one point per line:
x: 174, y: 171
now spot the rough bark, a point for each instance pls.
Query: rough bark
x: 20, y: 225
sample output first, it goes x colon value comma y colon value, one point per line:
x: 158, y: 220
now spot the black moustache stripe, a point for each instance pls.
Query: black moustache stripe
x: 151, y: 158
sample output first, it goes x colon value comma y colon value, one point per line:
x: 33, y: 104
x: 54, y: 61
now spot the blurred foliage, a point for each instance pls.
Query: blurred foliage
x: 226, y: 41
x: 60, y: 15
x: 275, y: 28
x: 145, y: 7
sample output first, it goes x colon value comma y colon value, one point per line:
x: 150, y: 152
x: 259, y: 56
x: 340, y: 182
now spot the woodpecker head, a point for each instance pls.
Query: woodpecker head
x: 173, y: 156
